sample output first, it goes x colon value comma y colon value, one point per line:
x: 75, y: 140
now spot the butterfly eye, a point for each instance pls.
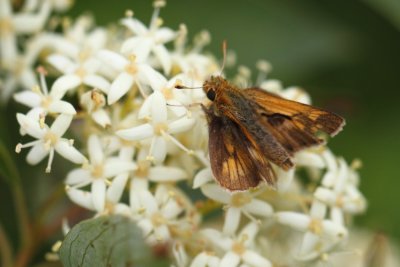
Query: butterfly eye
x: 211, y: 94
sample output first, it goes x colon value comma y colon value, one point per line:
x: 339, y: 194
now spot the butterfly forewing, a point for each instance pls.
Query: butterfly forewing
x: 305, y: 117
x: 234, y: 104
x: 236, y: 163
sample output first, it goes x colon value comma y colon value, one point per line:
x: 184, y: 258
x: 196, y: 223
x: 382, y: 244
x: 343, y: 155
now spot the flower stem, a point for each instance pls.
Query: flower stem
x: 5, y: 249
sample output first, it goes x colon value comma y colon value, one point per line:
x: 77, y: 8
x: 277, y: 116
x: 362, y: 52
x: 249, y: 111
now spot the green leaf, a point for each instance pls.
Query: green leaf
x: 8, y: 169
x: 106, y: 241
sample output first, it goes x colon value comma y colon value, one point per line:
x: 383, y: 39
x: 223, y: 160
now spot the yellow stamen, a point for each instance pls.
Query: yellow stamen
x: 160, y: 128
x: 98, y: 171
x: 240, y: 199
x: 315, y: 226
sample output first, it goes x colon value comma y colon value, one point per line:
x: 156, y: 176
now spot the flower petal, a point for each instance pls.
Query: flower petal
x: 63, y: 84
x: 101, y: 117
x: 61, y: 63
x: 63, y: 107
x: 181, y: 125
x: 160, y: 149
x: 99, y: 194
x: 250, y: 232
x: 162, y: 233
x: 96, y: 81
x: 295, y: 220
x: 177, y: 108
x: 115, y: 167
x: 136, y: 26
x: 215, y: 192
x: 28, y: 98
x: 232, y: 219
x: 37, y: 154
x: 28, y: 23
x: 217, y: 238
x: 166, y: 174
x: 202, y: 177
x: 200, y: 260
x: 78, y: 176
x: 95, y: 150
x: 337, y: 215
x: 258, y: 207
x: 139, y: 46
x: 82, y: 198
x: 112, y: 59
x: 307, y: 158
x: 115, y: 190
x: 31, y: 126
x: 318, y: 209
x: 230, y: 259
x: 65, y: 149
x: 164, y: 35
x: 158, y: 108
x: 61, y: 124
x: 137, y: 133
x: 164, y: 57
x: 285, y: 178
x: 145, y: 109
x: 254, y: 259
x: 120, y: 87
x: 149, y: 76
x: 148, y: 202
x: 334, y: 230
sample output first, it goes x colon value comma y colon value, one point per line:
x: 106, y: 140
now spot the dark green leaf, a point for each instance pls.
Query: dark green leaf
x: 106, y: 241
x: 8, y: 169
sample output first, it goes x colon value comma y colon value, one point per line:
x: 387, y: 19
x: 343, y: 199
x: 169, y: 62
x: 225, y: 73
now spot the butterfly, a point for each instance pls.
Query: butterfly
x: 251, y: 128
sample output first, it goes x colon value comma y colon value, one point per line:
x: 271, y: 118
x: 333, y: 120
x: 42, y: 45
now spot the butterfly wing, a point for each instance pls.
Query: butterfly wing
x: 236, y: 163
x: 292, y: 123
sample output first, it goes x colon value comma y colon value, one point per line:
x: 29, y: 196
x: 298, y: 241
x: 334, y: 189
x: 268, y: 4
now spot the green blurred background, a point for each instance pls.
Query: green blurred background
x: 346, y: 54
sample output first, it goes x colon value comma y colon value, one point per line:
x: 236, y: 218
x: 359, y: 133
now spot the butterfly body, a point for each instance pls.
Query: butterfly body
x: 249, y: 128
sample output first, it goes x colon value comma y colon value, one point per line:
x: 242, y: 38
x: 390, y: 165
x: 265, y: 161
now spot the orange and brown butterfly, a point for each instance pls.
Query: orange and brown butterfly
x: 251, y: 128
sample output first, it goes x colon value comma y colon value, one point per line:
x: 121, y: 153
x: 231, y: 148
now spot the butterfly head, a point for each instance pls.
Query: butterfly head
x: 213, y: 86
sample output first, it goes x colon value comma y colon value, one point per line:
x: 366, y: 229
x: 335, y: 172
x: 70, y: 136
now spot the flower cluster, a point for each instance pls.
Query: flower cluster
x: 144, y: 148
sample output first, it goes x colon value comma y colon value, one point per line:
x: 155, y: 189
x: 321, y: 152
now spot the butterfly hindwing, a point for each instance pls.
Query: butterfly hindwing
x: 236, y: 163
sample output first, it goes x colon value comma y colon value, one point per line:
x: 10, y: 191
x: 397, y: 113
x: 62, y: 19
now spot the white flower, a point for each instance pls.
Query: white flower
x: 156, y: 213
x: 147, y: 40
x: 238, y: 251
x: 83, y: 72
x: 18, y: 64
x: 203, y: 177
x: 158, y: 173
x: 98, y: 171
x: 205, y: 259
x: 180, y: 255
x: 13, y: 25
x: 160, y: 129
x: 49, y: 140
x: 193, y: 63
x: 237, y: 203
x: 94, y: 101
x: 344, y: 197
x: 173, y: 98
x: 42, y: 101
x: 320, y: 235
x: 130, y: 72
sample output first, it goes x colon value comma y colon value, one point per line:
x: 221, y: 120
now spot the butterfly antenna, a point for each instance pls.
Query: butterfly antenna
x: 179, y: 85
x: 224, y: 56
